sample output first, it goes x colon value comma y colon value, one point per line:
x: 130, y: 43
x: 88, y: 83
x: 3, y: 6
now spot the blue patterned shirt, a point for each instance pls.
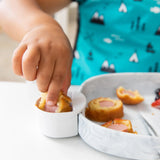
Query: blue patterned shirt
x: 116, y: 36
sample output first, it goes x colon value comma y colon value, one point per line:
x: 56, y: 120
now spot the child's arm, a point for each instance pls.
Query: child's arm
x: 44, y: 52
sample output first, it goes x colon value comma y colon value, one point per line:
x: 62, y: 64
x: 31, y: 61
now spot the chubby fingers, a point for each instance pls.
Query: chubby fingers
x: 30, y: 62
x: 51, y: 68
x: 17, y: 59
x: 45, y: 73
x: 58, y: 80
x: 25, y: 61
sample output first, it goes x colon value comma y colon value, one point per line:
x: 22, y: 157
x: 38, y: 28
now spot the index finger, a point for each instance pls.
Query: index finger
x: 56, y: 83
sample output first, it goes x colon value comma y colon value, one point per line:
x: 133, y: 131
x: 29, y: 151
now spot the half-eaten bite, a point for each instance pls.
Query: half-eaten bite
x: 119, y: 125
x: 128, y: 96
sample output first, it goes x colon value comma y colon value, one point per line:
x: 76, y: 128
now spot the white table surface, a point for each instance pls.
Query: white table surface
x: 20, y: 138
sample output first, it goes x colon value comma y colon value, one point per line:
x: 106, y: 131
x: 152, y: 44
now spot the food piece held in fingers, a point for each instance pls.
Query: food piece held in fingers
x: 104, y: 109
x: 64, y: 103
x: 128, y: 96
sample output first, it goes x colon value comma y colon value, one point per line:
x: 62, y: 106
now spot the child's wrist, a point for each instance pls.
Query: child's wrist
x: 49, y: 26
x: 41, y: 19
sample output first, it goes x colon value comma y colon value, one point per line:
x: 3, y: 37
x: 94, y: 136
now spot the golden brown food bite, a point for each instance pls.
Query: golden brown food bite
x: 64, y: 103
x: 128, y: 96
x: 42, y: 101
x: 104, y: 109
x: 120, y: 125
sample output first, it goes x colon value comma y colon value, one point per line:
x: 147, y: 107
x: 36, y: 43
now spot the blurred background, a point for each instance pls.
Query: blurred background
x: 67, y: 17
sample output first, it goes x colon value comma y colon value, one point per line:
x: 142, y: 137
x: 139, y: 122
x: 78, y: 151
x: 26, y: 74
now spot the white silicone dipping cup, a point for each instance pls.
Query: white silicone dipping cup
x: 65, y: 124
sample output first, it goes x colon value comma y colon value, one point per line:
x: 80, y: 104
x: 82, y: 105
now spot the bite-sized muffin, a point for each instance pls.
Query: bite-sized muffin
x: 64, y: 104
x: 119, y: 125
x: 128, y: 96
x: 104, y: 109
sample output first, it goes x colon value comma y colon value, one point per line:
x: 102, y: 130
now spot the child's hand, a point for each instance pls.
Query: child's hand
x: 45, y: 54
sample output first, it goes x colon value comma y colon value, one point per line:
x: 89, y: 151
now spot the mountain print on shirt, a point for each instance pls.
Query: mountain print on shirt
x: 116, y: 36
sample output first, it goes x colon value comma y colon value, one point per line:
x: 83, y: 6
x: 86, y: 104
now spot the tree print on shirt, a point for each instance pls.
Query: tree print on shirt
x: 90, y: 56
x: 154, y: 68
x: 137, y: 25
x: 149, y: 48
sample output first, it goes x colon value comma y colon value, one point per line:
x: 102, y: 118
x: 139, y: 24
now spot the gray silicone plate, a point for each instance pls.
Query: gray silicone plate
x: 144, y: 145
